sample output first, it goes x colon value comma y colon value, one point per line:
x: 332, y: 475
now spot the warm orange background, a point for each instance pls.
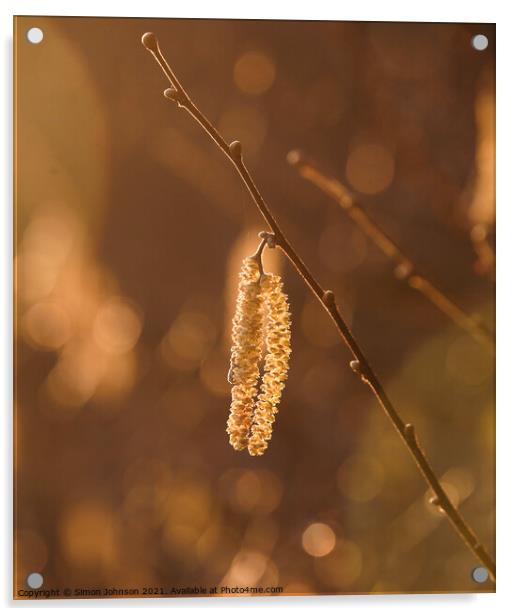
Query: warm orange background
x: 130, y: 229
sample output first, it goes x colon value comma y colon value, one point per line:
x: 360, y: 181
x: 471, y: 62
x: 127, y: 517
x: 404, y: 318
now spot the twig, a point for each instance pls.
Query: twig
x: 267, y: 239
x: 258, y: 255
x: 405, y: 268
x: 360, y: 364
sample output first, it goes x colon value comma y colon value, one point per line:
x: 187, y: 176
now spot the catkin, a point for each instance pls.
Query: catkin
x: 262, y: 314
x: 246, y: 352
x: 276, y: 364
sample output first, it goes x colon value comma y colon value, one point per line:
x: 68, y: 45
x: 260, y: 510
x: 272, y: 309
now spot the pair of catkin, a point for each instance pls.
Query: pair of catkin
x: 262, y: 316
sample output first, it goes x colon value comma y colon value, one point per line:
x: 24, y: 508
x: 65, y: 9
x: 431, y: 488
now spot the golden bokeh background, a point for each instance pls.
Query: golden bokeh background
x: 130, y: 230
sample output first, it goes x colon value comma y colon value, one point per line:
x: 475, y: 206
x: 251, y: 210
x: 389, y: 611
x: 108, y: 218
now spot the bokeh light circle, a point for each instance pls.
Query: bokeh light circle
x: 370, y: 168
x: 318, y: 539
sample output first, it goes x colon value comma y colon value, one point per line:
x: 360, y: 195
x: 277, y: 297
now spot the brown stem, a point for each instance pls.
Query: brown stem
x: 405, y: 268
x: 360, y: 364
x: 257, y: 255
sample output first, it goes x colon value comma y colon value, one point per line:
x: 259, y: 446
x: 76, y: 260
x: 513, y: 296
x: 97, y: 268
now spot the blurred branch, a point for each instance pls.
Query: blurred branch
x: 405, y: 269
x: 485, y: 263
x: 360, y: 364
x: 481, y: 207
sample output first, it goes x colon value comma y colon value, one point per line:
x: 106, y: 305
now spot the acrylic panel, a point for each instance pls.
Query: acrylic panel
x: 254, y: 307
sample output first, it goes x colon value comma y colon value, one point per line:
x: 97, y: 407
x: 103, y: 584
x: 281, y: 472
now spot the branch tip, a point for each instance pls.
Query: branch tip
x: 150, y: 42
x: 294, y: 157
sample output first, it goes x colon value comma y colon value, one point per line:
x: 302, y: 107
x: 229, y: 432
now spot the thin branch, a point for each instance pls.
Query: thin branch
x: 267, y: 239
x: 405, y: 268
x: 258, y: 255
x: 360, y: 364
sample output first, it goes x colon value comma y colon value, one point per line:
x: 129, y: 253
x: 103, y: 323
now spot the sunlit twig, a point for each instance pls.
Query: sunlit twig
x: 360, y: 364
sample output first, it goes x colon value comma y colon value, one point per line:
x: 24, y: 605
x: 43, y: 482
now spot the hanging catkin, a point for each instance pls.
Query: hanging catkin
x: 262, y: 314
x: 246, y: 352
x: 276, y: 364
